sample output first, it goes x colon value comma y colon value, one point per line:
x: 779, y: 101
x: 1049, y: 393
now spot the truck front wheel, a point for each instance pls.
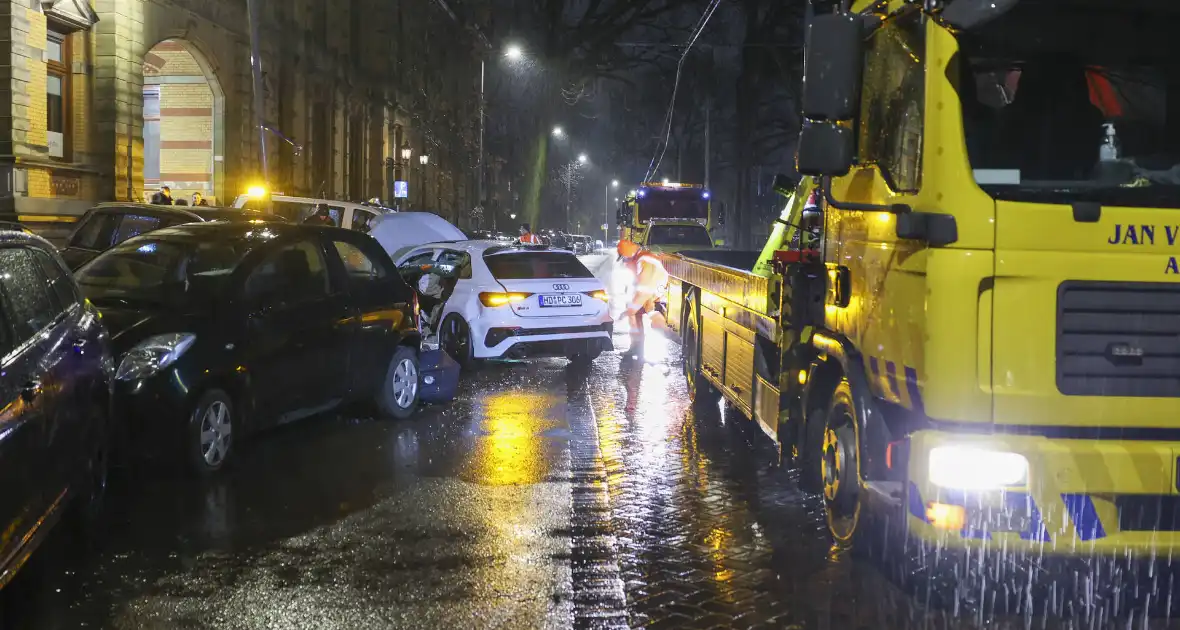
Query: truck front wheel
x: 839, y: 459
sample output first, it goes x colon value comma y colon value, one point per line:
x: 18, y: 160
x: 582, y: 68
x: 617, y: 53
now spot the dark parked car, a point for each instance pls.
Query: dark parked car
x: 13, y: 226
x: 109, y: 224
x: 222, y: 329
x: 55, y: 376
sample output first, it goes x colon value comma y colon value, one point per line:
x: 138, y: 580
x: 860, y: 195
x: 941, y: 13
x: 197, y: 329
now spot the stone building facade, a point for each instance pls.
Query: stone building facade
x: 108, y: 99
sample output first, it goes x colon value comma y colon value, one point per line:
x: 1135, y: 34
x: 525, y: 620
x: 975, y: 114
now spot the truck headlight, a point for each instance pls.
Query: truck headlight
x: 152, y: 355
x: 973, y: 468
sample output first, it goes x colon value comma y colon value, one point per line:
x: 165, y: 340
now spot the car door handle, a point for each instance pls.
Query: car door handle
x: 31, y: 390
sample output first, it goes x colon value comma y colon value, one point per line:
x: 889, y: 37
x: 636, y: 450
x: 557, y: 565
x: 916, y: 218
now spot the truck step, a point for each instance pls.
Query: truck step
x: 885, y: 493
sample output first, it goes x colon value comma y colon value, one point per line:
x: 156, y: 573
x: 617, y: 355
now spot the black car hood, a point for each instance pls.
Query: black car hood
x: 129, y: 326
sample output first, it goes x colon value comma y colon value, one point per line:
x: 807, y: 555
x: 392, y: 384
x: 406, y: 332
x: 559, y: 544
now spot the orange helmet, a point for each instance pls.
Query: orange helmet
x: 628, y: 249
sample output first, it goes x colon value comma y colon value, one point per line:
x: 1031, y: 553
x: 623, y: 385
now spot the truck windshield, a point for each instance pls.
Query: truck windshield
x: 682, y: 203
x: 679, y: 235
x: 1066, y: 102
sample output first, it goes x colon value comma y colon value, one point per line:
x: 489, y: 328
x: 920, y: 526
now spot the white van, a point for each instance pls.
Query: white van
x: 348, y: 215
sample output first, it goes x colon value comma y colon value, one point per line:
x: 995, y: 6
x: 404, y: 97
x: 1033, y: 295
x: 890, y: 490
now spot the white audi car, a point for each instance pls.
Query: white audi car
x: 513, y: 301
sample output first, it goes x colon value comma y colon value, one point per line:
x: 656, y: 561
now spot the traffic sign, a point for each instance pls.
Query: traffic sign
x: 401, y: 189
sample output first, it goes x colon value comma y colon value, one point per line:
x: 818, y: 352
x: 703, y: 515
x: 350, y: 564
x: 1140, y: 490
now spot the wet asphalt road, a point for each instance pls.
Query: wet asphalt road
x: 544, y: 497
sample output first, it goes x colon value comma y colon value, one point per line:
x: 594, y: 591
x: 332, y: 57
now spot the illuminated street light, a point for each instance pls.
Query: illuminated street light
x: 512, y: 216
x: 558, y: 132
x: 614, y: 183
x: 582, y: 159
x: 514, y: 53
x: 424, y: 159
x: 406, y: 153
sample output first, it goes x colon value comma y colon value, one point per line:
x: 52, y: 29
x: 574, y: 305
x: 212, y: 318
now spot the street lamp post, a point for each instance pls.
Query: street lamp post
x: 479, y: 177
x: 614, y: 183
x: 514, y: 52
x: 252, y: 10
x: 569, y: 184
x: 423, y: 160
x: 402, y: 170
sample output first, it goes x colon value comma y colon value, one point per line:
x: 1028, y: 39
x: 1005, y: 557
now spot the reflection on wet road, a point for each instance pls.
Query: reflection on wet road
x: 454, y: 518
x: 545, y: 497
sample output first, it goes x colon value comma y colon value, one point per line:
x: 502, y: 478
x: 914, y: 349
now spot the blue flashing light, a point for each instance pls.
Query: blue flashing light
x: 705, y: 195
x: 147, y: 248
x: 642, y: 193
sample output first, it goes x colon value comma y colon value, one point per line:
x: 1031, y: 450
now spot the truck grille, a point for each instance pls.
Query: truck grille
x: 1118, y: 339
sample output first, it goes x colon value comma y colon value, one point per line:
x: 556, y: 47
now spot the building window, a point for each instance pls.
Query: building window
x: 57, y: 86
x: 151, y: 136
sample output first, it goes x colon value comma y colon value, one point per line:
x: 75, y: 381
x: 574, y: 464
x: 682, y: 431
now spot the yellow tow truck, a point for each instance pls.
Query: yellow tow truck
x: 668, y: 217
x: 967, y: 320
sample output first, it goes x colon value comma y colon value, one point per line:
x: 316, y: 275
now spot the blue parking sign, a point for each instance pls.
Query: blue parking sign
x: 401, y: 189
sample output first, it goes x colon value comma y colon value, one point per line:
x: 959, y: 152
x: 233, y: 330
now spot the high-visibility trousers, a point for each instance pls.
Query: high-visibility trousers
x: 641, y: 302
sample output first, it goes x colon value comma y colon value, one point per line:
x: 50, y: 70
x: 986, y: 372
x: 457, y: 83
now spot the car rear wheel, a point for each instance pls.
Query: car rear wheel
x: 399, y: 392
x: 209, y: 441
x: 455, y: 339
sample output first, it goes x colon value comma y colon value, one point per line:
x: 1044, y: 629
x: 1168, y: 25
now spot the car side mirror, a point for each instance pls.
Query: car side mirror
x: 825, y: 148
x: 833, y: 66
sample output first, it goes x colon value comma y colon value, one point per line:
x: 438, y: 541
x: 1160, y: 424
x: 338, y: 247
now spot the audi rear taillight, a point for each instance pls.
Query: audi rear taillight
x: 500, y: 299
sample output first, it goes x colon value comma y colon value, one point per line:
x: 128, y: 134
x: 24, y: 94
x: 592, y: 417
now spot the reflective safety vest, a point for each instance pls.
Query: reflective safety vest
x: 529, y: 238
x: 650, y: 275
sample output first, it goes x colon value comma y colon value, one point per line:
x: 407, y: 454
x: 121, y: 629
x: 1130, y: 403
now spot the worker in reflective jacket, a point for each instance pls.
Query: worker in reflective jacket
x: 651, y: 280
x: 526, y: 235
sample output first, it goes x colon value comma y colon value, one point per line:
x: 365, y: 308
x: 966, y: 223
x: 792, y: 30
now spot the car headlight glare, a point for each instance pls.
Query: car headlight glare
x: 153, y: 354
x: 973, y: 468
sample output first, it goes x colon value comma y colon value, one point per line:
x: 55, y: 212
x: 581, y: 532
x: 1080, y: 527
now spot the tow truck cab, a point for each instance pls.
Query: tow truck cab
x: 1000, y: 186
x: 681, y: 214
